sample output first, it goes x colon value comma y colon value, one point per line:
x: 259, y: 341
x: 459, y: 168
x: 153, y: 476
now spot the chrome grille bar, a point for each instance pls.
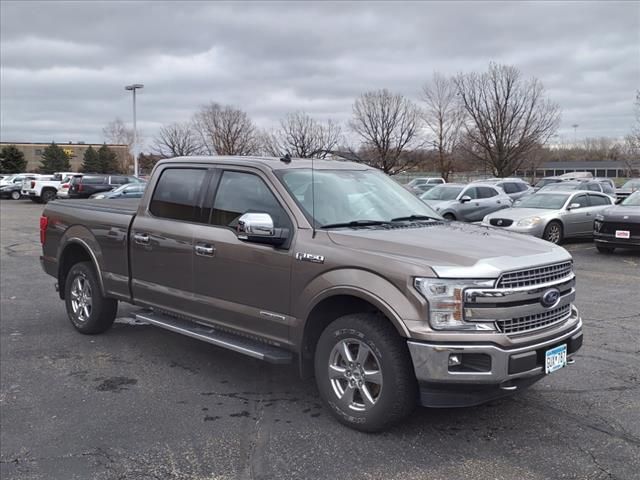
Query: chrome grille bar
x: 534, y: 322
x: 535, y: 276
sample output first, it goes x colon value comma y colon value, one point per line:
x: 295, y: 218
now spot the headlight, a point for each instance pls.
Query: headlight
x: 529, y: 222
x: 445, y: 303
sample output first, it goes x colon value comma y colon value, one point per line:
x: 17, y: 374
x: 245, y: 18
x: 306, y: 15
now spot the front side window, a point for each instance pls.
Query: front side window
x: 176, y: 194
x: 443, y: 192
x: 582, y: 200
x: 486, y: 192
x: 241, y: 192
x: 471, y: 192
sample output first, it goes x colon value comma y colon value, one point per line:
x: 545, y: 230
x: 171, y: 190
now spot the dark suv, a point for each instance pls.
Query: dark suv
x: 86, y: 185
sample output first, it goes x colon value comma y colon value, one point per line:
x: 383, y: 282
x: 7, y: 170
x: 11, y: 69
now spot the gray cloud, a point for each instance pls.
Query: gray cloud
x: 64, y: 65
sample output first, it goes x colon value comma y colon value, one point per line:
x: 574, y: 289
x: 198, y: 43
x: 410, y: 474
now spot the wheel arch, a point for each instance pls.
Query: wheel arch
x: 76, y: 250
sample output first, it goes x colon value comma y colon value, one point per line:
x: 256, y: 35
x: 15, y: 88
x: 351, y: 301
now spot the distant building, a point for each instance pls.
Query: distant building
x: 600, y: 168
x: 75, y: 151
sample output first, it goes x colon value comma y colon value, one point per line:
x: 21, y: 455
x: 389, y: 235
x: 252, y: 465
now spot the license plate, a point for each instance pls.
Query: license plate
x: 622, y: 234
x: 555, y: 359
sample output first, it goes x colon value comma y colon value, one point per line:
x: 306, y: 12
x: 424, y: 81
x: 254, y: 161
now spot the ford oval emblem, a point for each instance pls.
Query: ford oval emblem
x: 550, y: 297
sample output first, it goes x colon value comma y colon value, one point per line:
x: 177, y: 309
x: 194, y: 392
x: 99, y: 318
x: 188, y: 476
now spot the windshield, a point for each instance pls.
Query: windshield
x: 632, y: 184
x: 554, y: 201
x: 632, y: 200
x: 416, y: 181
x: 563, y: 186
x: 343, y: 196
x: 442, y: 192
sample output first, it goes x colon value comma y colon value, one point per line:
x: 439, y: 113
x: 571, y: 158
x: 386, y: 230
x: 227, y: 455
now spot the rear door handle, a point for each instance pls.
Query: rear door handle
x: 204, y: 250
x: 141, y: 238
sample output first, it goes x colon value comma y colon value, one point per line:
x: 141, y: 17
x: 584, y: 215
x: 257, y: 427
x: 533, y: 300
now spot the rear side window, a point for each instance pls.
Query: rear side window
x: 119, y: 180
x: 486, y: 192
x: 176, y: 194
x: 239, y: 193
x: 606, y: 188
x: 597, y: 200
x: 510, y: 187
x: 593, y: 187
x: 87, y: 180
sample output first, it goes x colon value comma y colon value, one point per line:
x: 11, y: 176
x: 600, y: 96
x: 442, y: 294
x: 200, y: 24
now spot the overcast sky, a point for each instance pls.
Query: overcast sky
x: 64, y: 65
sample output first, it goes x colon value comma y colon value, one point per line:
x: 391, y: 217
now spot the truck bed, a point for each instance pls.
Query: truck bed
x: 128, y: 206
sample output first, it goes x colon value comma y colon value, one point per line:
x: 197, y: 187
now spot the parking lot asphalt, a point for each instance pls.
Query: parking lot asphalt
x: 143, y: 403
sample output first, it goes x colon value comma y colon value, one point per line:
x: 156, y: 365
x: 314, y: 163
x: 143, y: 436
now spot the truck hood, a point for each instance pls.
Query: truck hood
x: 454, y: 249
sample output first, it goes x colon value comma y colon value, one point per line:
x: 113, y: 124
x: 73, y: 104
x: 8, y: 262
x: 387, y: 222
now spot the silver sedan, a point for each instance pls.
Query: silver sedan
x: 468, y: 203
x: 552, y: 216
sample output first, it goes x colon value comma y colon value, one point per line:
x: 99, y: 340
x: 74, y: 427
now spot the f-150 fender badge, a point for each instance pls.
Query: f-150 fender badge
x: 309, y: 257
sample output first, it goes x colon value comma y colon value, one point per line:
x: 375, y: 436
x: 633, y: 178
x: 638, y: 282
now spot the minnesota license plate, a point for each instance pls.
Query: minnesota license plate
x: 555, y: 359
x: 622, y: 234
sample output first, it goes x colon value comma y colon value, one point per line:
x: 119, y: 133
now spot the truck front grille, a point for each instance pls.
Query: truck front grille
x: 533, y: 322
x: 535, y: 276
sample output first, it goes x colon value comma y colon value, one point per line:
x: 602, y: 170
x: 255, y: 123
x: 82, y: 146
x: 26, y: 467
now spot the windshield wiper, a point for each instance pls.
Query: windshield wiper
x: 356, y: 223
x: 413, y: 217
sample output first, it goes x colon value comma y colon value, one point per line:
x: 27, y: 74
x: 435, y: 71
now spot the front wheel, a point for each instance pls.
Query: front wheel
x: 553, y: 233
x: 15, y: 195
x: 48, y: 195
x: 364, y: 372
x: 449, y: 217
x: 88, y: 310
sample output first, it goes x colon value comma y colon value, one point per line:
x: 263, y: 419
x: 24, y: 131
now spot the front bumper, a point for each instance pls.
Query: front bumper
x: 487, y: 372
x: 610, y: 240
x: 535, y: 230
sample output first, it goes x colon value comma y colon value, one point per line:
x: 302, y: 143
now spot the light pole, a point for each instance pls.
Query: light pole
x: 133, y: 88
x: 575, y: 134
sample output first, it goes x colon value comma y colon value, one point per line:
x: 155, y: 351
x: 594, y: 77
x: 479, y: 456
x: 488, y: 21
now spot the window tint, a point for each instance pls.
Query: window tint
x: 486, y: 192
x: 510, y: 187
x: 581, y: 199
x: 593, y: 187
x: 522, y: 186
x: 88, y: 180
x: 606, y: 188
x: 176, y: 195
x: 436, y: 180
x: 115, y: 180
x: 239, y: 193
x: 597, y: 200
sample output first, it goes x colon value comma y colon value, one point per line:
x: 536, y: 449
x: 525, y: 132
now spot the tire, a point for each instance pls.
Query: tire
x: 48, y: 195
x: 374, y: 346
x: 15, y: 195
x: 82, y: 286
x: 35, y: 199
x: 449, y: 217
x: 553, y: 233
x: 603, y: 249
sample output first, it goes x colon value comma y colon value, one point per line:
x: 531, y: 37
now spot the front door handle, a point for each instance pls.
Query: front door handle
x: 204, y: 250
x: 141, y: 238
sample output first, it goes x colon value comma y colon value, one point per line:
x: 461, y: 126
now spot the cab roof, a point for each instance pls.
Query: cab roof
x: 273, y: 163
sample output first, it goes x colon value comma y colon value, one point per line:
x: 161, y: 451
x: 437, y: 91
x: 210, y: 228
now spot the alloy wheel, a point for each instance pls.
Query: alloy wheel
x: 81, y: 300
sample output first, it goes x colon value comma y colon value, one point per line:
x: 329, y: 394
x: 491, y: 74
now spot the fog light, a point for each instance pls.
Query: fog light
x: 454, y: 360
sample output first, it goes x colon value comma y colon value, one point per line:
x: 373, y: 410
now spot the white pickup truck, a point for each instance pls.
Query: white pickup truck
x: 45, y: 188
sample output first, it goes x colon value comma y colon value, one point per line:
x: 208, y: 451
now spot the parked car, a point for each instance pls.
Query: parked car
x: 577, y: 176
x: 12, y: 188
x: 16, y: 178
x: 45, y: 188
x: 351, y: 277
x: 514, y: 187
x: 129, y: 190
x: 467, y: 203
x: 86, y: 185
x: 591, y: 185
x: 619, y: 226
x: 543, y: 182
x: 65, y: 183
x: 422, y: 184
x: 552, y: 215
x: 628, y: 188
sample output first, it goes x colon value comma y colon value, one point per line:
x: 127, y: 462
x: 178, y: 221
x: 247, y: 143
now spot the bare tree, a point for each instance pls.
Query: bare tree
x: 177, y: 140
x: 118, y: 133
x: 443, y: 115
x: 388, y: 125
x: 508, y: 116
x: 303, y: 137
x: 226, y: 130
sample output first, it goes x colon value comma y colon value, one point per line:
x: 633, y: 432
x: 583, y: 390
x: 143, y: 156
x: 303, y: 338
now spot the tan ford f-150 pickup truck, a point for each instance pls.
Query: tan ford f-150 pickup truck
x: 332, y: 265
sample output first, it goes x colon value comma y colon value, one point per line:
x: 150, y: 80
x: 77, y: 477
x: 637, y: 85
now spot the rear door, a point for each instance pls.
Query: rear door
x: 490, y: 201
x: 242, y: 285
x: 161, y: 242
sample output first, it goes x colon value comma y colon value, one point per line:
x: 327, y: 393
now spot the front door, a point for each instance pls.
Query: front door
x: 578, y: 220
x: 242, y: 285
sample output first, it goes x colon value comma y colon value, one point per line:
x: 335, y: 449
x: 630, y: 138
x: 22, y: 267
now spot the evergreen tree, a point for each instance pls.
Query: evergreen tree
x: 90, y: 161
x: 108, y: 160
x: 12, y: 160
x: 54, y: 160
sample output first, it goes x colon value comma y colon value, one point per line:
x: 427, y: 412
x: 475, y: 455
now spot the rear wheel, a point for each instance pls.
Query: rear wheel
x: 87, y: 309
x: 15, y: 195
x: 553, y: 233
x: 603, y: 249
x: 450, y: 217
x: 48, y: 195
x: 364, y: 372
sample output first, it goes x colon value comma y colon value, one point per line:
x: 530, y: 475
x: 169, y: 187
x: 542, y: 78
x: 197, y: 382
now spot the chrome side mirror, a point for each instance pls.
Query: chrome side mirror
x: 465, y: 199
x: 573, y: 206
x: 259, y: 228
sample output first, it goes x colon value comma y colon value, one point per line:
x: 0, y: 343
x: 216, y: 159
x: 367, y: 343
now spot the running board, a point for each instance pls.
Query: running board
x: 237, y: 343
